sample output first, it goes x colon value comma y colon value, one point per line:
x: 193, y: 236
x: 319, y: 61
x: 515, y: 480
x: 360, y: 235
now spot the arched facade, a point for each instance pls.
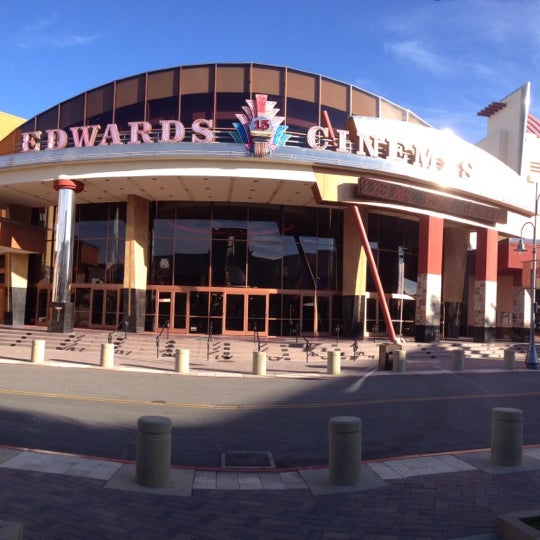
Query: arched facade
x: 239, y: 198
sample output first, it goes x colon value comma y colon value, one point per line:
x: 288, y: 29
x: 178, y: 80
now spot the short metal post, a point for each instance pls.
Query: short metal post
x: 506, y: 436
x: 259, y: 363
x: 107, y: 355
x: 345, y: 450
x: 333, y: 365
x: 399, y: 357
x: 38, y: 351
x: 181, y: 360
x: 458, y: 360
x: 509, y: 359
x: 153, y: 455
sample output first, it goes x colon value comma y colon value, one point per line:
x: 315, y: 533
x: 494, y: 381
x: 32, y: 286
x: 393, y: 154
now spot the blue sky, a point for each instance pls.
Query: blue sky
x: 443, y: 59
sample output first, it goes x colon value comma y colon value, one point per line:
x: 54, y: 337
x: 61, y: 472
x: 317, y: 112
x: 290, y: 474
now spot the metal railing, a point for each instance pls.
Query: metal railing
x: 158, y: 337
x: 124, y: 322
x: 355, y: 349
x: 308, y: 349
x: 256, y: 337
x: 210, y: 337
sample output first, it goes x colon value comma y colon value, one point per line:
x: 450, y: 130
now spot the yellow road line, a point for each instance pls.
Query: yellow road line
x: 209, y: 406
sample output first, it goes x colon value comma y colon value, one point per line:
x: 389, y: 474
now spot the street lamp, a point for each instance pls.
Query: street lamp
x: 531, y: 362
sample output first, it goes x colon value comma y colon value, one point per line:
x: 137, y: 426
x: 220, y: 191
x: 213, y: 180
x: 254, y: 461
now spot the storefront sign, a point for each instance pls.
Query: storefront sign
x: 258, y: 128
x: 171, y: 131
x: 407, y: 195
x: 390, y: 146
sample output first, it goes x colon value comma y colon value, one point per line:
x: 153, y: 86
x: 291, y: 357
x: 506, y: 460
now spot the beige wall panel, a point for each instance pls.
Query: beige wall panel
x: 456, y: 241
x: 354, y: 257
x: 232, y: 79
x: 391, y: 111
x: 135, y: 274
x: 363, y: 104
x: 302, y: 86
x: 267, y: 80
x: 196, y: 80
x: 163, y: 84
x: 334, y: 95
x: 18, y: 270
x: 505, y: 300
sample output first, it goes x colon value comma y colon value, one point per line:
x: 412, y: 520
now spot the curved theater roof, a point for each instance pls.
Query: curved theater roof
x: 216, y: 91
x: 97, y: 137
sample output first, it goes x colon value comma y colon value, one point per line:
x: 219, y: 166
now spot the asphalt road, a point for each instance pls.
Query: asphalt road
x: 94, y: 412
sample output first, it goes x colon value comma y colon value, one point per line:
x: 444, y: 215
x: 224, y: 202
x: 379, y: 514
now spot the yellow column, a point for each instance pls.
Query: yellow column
x: 354, y: 274
x: 136, y: 265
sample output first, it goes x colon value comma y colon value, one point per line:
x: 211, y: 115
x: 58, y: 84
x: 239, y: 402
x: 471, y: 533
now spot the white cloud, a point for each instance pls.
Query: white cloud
x: 415, y: 52
x: 43, y: 33
x: 71, y: 40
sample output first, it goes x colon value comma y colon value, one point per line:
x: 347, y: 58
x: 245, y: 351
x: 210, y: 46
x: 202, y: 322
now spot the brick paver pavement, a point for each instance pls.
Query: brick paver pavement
x: 54, y: 506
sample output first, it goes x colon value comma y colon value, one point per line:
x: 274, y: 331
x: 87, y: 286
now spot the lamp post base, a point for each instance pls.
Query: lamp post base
x: 531, y: 362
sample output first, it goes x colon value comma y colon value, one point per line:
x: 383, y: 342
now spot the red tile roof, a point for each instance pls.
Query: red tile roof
x: 533, y: 125
x: 492, y: 108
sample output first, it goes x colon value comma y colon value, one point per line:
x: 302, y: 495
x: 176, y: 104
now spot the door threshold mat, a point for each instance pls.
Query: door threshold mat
x: 247, y: 459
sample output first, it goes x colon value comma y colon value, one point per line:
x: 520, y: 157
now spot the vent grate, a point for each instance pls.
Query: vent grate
x: 246, y: 459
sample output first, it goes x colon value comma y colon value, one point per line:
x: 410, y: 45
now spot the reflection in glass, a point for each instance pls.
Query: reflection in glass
x: 97, y: 307
x: 100, y: 235
x: 323, y: 314
x: 198, y: 303
x: 164, y: 309
x: 257, y: 313
x: 180, y: 300
x: 228, y: 257
x: 192, y: 260
x: 235, y: 312
x: 162, y: 258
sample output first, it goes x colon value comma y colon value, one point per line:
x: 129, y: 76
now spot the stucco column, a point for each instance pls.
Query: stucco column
x: 429, y: 283
x: 354, y: 275
x: 18, y: 282
x: 136, y: 265
x: 456, y: 249
x: 61, y: 312
x: 485, y: 287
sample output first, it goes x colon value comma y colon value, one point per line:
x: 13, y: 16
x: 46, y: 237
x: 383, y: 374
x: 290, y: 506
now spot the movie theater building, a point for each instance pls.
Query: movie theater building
x: 233, y: 198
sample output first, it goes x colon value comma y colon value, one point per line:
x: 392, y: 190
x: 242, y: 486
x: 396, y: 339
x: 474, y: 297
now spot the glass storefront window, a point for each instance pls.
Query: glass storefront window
x: 245, y: 246
x: 162, y: 261
x: 99, y: 243
x: 264, y: 262
x: 198, y: 303
x: 191, y: 261
x: 196, y: 106
x: 229, y: 104
x: 327, y: 256
x: 228, y: 261
x: 390, y: 234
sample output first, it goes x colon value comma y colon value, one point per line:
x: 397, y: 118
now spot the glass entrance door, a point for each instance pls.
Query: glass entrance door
x: 257, y: 313
x: 234, y: 316
x: 245, y: 313
x: 171, y: 309
x: 196, y: 311
x: 97, y: 307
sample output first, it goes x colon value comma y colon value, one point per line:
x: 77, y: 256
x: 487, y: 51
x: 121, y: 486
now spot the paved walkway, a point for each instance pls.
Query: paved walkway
x: 443, y: 496
x: 446, y: 496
